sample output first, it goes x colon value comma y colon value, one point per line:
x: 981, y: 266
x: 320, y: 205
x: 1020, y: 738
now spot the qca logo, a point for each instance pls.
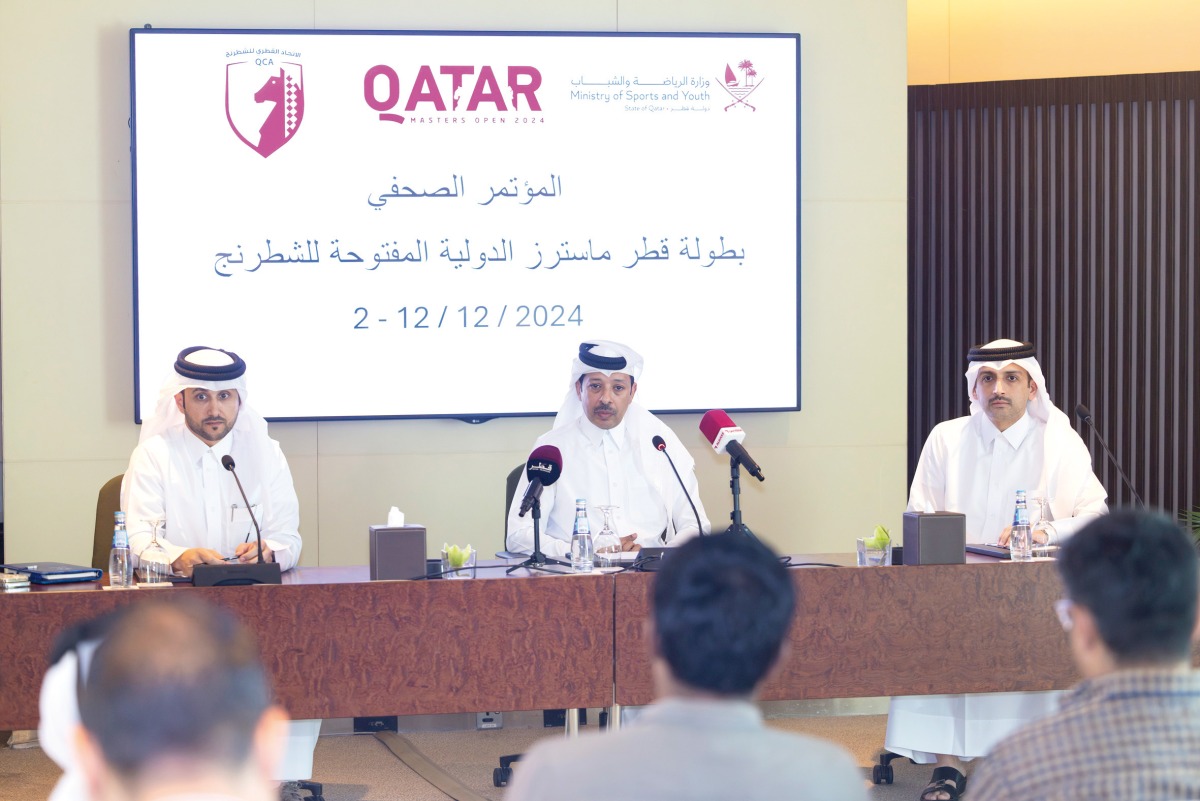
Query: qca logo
x: 264, y: 102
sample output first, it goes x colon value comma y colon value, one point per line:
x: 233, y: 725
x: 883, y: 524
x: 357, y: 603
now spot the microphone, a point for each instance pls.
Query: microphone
x: 227, y: 463
x: 661, y: 445
x: 1085, y: 416
x: 726, y: 437
x: 543, y: 469
x: 259, y: 572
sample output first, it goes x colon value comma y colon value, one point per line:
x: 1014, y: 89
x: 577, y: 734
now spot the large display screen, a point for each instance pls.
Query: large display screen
x: 411, y: 224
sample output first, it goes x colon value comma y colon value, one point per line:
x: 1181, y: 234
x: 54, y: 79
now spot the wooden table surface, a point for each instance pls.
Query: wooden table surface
x: 338, y: 645
x: 984, y: 626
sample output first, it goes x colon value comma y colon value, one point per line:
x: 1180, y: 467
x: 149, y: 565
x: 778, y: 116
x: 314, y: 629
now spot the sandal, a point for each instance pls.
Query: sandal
x: 945, y: 780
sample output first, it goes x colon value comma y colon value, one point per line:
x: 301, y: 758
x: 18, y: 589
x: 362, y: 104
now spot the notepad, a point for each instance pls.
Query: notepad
x: 13, y: 581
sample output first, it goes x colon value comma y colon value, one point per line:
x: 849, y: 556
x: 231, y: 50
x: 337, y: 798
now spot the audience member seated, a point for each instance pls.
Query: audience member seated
x: 58, y: 703
x: 1131, y: 728
x: 176, y: 705
x: 722, y: 606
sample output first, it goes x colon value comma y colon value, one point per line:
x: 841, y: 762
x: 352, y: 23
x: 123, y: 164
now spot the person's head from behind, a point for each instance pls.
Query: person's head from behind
x: 176, y: 696
x: 722, y: 608
x: 1130, y: 581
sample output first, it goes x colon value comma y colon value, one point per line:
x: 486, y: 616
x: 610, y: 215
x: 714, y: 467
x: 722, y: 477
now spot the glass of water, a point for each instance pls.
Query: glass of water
x: 154, y: 566
x: 607, y: 542
x: 871, y: 556
x: 1041, y: 520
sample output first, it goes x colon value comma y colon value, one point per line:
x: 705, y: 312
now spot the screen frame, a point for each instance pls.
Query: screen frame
x: 736, y: 327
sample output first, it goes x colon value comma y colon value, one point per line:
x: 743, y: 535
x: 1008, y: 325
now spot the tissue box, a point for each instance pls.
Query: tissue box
x: 396, y: 552
x: 935, y: 538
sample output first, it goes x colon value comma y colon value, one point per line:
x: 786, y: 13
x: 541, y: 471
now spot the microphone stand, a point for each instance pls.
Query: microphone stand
x: 537, y: 560
x: 1086, y: 416
x: 239, y: 573
x: 735, y: 484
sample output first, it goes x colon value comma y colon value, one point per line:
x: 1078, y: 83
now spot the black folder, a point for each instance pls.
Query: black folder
x: 54, y: 572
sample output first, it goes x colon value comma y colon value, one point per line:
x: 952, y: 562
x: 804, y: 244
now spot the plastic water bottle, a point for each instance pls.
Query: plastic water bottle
x: 1020, y: 543
x: 583, y: 551
x: 120, y: 561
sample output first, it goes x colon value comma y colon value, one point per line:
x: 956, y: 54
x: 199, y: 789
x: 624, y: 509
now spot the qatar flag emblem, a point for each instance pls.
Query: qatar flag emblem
x: 264, y: 105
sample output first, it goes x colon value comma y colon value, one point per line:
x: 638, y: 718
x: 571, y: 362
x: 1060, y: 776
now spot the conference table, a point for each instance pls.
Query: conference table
x: 339, y: 645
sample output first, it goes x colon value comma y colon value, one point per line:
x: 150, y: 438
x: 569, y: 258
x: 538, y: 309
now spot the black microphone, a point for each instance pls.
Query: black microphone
x: 227, y: 463
x: 661, y: 444
x: 259, y: 572
x: 1085, y: 417
x: 726, y: 437
x: 543, y: 469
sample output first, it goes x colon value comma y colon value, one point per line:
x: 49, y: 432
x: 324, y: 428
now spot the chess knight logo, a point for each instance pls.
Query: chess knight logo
x: 264, y: 102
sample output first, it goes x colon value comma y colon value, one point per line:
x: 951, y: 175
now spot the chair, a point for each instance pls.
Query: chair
x: 107, y: 502
x: 510, y: 490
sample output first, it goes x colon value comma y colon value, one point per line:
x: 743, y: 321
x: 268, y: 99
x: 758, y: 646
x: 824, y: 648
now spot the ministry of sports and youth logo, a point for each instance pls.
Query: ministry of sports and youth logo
x: 739, y: 90
x: 264, y: 101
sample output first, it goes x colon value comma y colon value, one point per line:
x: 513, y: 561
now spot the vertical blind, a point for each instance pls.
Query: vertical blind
x: 1064, y: 212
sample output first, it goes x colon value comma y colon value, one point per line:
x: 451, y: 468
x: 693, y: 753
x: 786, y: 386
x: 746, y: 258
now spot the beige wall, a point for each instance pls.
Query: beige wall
x: 960, y: 41
x: 834, y: 469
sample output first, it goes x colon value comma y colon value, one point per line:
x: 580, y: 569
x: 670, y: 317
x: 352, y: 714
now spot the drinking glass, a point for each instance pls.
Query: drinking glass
x: 868, y: 556
x: 608, y: 543
x: 153, y: 563
x: 1041, y: 520
x: 458, y: 563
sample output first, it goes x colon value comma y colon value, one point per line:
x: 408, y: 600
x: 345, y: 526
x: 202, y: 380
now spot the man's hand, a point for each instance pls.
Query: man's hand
x: 1040, y: 537
x: 195, y: 556
x: 248, y: 552
x: 628, y: 543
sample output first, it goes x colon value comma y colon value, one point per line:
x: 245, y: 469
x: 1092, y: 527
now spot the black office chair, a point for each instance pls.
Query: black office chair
x: 510, y: 490
x: 881, y: 771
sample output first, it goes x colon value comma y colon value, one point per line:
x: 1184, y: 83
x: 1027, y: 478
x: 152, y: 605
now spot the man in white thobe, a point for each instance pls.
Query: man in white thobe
x: 175, y: 476
x: 1014, y: 438
x: 609, y: 458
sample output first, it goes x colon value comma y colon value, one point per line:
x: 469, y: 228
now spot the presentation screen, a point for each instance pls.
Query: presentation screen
x: 413, y: 224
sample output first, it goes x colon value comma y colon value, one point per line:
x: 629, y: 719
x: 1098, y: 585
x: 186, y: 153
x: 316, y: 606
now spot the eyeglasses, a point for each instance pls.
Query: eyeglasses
x: 1062, y: 608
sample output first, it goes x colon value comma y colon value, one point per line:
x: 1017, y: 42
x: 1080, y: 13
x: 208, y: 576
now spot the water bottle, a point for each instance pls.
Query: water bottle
x: 120, y: 562
x: 582, y: 548
x: 1020, y: 544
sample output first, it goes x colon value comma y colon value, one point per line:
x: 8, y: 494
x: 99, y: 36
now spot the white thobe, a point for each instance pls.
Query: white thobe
x: 177, y: 477
x: 970, y: 466
x: 612, y: 468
